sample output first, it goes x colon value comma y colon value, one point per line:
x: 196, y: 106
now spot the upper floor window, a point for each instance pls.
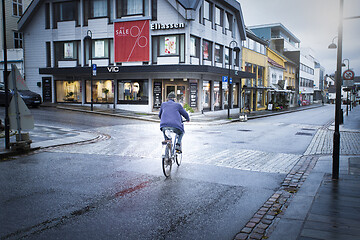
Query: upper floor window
x: 218, y: 53
x: 18, y: 40
x: 208, y: 9
x: 219, y: 16
x: 99, y: 8
x: 229, y: 21
x: 131, y: 7
x: 207, y: 50
x: 65, y: 11
x: 17, y: 7
x: 194, y: 46
x: 66, y: 51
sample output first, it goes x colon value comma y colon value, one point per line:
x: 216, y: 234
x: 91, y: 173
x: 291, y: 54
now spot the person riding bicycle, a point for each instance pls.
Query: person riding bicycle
x: 170, y: 118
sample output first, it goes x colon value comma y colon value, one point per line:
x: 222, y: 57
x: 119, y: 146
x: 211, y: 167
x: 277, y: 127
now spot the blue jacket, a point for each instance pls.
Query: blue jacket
x: 170, y: 115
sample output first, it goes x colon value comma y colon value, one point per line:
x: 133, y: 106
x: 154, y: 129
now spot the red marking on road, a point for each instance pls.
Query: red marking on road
x: 132, y: 189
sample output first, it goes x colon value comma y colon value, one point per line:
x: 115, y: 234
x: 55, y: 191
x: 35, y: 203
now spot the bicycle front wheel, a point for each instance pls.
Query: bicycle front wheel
x: 166, y: 162
x: 178, y: 158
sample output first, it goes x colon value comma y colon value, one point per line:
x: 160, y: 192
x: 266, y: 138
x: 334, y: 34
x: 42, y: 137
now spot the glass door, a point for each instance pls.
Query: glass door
x: 179, y: 90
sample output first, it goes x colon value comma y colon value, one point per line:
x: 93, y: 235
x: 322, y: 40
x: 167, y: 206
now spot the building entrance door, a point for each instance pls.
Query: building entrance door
x: 179, y: 90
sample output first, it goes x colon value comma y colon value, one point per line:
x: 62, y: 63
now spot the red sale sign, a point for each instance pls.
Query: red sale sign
x: 131, y: 40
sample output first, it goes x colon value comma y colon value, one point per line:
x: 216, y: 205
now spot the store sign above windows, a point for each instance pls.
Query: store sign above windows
x: 167, y: 26
x: 131, y: 40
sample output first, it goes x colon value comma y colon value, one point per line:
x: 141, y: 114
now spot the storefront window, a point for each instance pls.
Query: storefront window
x: 133, y: 91
x: 260, y: 76
x: 68, y: 91
x: 217, y: 96
x: 103, y: 91
x: 235, y: 96
x: 206, y: 95
x: 260, y: 98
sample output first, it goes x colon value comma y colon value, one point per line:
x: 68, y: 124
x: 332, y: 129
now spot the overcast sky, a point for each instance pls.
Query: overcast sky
x: 315, y: 23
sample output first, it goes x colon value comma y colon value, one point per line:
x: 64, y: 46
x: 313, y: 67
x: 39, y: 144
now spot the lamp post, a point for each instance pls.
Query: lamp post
x: 236, y: 49
x: 336, y: 142
x: 7, y: 121
x: 89, y: 37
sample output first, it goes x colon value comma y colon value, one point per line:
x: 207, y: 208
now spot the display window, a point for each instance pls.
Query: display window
x: 133, y: 91
x: 217, y: 96
x: 235, y: 96
x: 206, y: 95
x: 103, y: 91
x: 68, y: 91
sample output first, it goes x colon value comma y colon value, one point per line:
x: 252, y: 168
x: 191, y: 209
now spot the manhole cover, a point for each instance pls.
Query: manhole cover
x: 303, y: 134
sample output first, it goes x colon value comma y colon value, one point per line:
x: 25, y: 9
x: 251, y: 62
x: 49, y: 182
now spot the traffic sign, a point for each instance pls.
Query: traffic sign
x: 94, y: 69
x: 348, y: 75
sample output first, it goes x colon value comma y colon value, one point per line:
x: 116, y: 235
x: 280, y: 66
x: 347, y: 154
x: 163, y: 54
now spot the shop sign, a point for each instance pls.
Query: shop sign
x: 113, y: 69
x: 131, y: 40
x: 157, y: 94
x: 193, y: 94
x: 162, y: 26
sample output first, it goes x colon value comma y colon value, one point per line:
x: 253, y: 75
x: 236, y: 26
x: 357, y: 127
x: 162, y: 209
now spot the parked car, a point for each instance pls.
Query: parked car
x: 30, y: 98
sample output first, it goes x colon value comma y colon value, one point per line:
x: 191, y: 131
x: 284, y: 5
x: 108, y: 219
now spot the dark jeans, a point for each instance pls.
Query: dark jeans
x: 179, y: 133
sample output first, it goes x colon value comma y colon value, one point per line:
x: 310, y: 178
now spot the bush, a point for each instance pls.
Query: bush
x: 188, y: 108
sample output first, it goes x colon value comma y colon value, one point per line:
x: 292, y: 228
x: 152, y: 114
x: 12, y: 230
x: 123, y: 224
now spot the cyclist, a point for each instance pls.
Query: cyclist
x: 170, y: 118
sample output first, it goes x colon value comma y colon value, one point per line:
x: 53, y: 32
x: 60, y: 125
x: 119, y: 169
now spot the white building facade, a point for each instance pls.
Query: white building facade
x: 142, y: 50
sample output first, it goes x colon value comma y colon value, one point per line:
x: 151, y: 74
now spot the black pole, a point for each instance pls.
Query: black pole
x: 347, y: 103
x: 336, y: 143
x: 91, y: 78
x: 6, y: 123
x: 229, y: 87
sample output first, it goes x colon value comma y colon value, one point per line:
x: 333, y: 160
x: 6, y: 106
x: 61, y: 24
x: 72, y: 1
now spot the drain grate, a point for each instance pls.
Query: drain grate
x: 308, y: 129
x: 303, y: 134
x: 244, y: 130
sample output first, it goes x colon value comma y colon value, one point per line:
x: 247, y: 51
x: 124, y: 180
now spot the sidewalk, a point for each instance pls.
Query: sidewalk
x: 212, y: 117
x: 324, y: 208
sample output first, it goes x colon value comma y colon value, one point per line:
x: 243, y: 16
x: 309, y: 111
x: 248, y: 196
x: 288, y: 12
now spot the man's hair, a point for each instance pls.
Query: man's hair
x: 171, y: 95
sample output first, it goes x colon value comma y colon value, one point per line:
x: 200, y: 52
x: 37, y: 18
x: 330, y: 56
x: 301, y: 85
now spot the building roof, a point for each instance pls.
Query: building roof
x: 186, y: 4
x: 253, y: 36
x: 277, y: 26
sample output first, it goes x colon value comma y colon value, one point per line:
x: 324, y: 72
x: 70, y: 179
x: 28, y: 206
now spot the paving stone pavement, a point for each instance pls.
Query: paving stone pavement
x: 322, y: 143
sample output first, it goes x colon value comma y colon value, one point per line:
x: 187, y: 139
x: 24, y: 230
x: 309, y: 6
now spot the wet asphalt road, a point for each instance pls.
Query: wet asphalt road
x: 115, y: 189
x: 75, y: 196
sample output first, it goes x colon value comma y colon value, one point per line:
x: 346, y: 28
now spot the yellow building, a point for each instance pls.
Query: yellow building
x: 281, y: 79
x: 254, y: 60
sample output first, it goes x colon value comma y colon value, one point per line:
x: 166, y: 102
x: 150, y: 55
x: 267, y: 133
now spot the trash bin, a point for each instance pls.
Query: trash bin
x: 341, y: 120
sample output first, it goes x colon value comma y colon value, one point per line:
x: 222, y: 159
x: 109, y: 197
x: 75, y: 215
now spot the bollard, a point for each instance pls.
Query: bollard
x: 341, y: 119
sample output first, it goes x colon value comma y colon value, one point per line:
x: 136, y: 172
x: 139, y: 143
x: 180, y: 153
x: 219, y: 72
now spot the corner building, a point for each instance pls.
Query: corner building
x: 143, y: 49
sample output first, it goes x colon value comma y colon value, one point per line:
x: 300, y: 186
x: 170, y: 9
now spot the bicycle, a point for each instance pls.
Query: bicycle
x: 169, y: 153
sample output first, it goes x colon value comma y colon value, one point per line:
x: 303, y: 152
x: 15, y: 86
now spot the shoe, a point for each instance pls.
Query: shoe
x: 178, y: 148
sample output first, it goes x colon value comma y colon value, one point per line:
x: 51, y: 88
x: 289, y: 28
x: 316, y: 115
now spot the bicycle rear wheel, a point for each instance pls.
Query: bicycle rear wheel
x: 166, y: 162
x: 178, y: 158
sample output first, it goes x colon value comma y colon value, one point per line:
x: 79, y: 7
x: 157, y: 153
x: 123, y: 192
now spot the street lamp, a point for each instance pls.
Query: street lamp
x: 235, y: 49
x: 344, y: 65
x: 86, y: 38
x: 336, y: 143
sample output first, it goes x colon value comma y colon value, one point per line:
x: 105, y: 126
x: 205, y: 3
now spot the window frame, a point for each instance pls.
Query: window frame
x: 57, y: 16
x: 121, y: 7
x: 59, y: 50
x: 17, y: 8
x: 197, y: 46
x: 220, y: 52
x: 210, y: 54
x: 18, y: 40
